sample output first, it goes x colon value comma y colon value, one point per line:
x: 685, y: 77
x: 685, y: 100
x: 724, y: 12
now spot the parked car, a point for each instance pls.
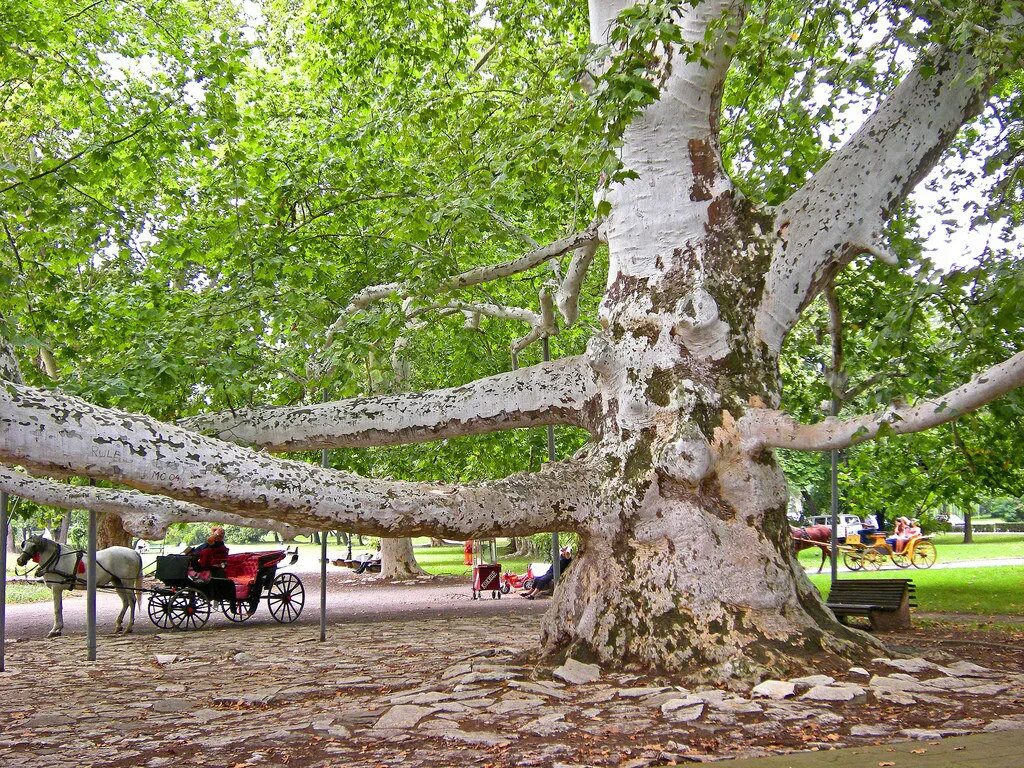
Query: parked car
x: 847, y: 524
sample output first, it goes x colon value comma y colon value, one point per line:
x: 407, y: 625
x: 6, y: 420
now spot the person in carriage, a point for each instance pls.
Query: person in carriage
x: 210, y: 556
x: 906, y: 529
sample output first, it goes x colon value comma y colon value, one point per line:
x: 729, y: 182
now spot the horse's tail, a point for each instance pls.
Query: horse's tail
x: 138, y: 582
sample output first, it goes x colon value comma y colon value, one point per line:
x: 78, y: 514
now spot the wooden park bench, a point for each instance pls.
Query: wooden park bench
x: 885, y: 602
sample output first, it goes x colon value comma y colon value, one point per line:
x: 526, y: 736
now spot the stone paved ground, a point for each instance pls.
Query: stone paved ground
x: 452, y: 692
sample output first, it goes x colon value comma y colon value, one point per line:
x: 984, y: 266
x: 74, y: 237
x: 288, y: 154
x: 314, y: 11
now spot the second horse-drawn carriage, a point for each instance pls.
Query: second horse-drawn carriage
x: 917, y: 551
x: 188, y: 596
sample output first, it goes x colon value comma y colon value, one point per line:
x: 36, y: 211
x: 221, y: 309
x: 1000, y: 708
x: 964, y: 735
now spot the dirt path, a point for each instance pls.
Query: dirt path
x: 350, y: 599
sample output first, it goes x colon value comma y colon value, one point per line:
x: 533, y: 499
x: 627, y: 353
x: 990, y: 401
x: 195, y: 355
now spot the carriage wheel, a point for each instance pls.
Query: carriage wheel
x: 237, y: 610
x: 853, y: 560
x: 923, y: 555
x: 901, y: 559
x: 189, y: 609
x: 159, y: 608
x: 871, y: 559
x: 285, y: 598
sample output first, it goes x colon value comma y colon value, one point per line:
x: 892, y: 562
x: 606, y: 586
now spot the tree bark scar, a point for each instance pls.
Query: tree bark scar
x: 704, y: 161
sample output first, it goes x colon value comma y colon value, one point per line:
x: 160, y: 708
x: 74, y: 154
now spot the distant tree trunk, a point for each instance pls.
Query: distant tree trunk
x: 65, y: 525
x: 434, y: 542
x: 526, y: 548
x: 339, y: 538
x: 398, y: 560
x: 359, y: 538
x: 969, y: 526
x: 277, y: 538
x: 316, y: 537
x: 11, y: 545
x: 110, y: 532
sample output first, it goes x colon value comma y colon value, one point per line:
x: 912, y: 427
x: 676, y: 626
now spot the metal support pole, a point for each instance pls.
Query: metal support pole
x: 324, y: 462
x: 3, y: 584
x: 556, y: 566
x: 834, y: 538
x: 90, y: 589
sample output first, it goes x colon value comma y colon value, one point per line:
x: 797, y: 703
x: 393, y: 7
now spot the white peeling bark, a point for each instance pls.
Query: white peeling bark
x: 545, y: 327
x: 775, y: 429
x: 52, y: 433
x: 568, y: 295
x: 145, y: 515
x: 840, y: 212
x: 397, y: 560
x: 9, y: 368
x: 557, y: 392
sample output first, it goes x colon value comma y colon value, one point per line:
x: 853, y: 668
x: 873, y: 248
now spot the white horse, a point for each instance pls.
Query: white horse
x: 58, y: 566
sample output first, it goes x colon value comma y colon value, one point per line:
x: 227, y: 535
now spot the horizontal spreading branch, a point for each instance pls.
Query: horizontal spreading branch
x: 475, y: 276
x: 764, y: 428
x: 143, y: 514
x: 863, y: 183
x: 556, y: 392
x: 51, y: 433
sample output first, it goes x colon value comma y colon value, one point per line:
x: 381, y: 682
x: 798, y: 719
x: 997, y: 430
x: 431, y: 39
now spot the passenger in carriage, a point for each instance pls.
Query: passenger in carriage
x: 211, y: 555
x: 906, y: 529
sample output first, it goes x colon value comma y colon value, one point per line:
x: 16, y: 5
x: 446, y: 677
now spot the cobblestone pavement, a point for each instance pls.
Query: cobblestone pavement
x: 451, y: 692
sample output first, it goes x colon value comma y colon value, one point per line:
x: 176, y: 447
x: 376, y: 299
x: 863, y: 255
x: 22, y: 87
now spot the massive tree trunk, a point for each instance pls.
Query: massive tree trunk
x: 397, y: 560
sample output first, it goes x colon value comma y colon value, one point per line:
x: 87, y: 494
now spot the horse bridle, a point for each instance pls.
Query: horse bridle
x: 54, y: 558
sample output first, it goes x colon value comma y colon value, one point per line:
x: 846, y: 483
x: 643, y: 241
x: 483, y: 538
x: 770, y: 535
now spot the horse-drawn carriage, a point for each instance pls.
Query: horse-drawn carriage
x: 917, y: 551
x: 185, y: 600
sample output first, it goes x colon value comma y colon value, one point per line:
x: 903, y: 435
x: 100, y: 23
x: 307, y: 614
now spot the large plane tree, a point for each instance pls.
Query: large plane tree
x: 678, y: 497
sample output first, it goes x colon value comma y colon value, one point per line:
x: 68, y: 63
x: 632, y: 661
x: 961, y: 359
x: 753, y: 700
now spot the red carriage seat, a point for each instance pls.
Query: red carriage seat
x: 244, y: 567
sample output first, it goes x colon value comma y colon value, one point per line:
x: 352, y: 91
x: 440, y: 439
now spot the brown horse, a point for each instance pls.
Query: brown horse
x: 819, y: 536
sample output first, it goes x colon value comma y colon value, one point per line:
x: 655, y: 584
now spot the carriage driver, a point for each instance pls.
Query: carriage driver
x: 211, y: 555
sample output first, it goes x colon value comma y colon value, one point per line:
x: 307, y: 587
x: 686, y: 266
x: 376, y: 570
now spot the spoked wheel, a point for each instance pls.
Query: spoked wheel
x: 872, y: 560
x: 923, y: 555
x: 901, y: 559
x: 853, y: 560
x: 285, y: 598
x: 237, y: 610
x: 189, y: 609
x: 159, y: 608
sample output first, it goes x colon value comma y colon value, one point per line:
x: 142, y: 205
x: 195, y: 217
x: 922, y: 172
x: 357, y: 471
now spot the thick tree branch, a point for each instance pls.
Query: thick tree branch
x: 145, y: 515
x: 475, y: 276
x: 568, y: 295
x: 47, y: 432
x: 764, y: 428
x: 865, y: 182
x: 550, y: 393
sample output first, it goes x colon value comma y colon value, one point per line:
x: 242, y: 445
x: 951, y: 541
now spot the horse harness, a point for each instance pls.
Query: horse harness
x: 70, y: 580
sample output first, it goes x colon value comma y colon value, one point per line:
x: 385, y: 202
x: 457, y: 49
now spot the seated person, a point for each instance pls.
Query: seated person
x: 906, y: 529
x: 544, y: 581
x: 211, y: 555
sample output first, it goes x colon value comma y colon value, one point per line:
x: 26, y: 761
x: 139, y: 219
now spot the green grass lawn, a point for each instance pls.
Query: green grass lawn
x: 27, y: 593
x: 984, y: 591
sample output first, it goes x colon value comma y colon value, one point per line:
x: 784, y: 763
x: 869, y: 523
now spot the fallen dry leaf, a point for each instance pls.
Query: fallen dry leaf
x: 884, y: 763
x: 918, y: 751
